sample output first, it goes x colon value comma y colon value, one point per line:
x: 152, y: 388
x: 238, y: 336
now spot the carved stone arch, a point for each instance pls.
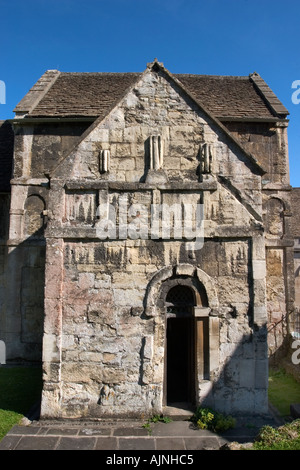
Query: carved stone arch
x: 210, y: 288
x: 190, y: 327
x: 191, y: 283
x: 182, y: 333
x: 181, y: 273
x: 33, y: 216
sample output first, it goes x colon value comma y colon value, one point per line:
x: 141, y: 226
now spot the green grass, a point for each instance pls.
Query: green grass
x: 283, y: 390
x: 20, y: 389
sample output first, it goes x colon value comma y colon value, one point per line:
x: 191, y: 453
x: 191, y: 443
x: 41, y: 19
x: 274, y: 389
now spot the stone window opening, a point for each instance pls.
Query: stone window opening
x: 34, y: 216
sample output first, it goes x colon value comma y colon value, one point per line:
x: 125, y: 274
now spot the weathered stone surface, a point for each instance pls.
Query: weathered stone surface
x: 237, y: 446
x: 104, y: 287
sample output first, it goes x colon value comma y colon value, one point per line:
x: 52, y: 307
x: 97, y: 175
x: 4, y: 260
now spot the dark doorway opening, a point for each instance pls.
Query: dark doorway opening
x: 180, y: 346
x: 180, y: 360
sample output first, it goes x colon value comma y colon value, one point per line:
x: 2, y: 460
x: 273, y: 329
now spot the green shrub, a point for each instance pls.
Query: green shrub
x: 286, y: 437
x: 206, y: 418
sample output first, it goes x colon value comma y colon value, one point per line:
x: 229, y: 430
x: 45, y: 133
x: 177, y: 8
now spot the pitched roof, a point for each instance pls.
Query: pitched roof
x: 232, y: 97
x: 157, y: 66
x: 68, y: 94
x: 81, y: 94
x: 6, y: 155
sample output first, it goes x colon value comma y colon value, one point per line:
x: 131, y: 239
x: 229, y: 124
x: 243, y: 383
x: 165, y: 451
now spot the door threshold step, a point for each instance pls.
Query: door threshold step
x: 178, y: 411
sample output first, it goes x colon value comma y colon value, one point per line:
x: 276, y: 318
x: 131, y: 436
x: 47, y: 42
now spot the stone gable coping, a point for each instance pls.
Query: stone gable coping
x: 158, y: 66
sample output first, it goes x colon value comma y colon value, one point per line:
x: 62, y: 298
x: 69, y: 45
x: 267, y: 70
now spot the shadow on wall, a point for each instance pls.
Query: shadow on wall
x: 23, y: 281
x: 279, y: 348
x: 231, y: 351
x: 240, y: 387
x: 2, y: 352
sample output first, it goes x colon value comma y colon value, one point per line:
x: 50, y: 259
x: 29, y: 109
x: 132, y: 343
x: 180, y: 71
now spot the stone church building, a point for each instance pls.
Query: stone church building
x: 146, y: 253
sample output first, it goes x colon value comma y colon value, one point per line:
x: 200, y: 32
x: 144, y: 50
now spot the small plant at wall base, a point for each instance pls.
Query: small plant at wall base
x: 156, y: 419
x: 206, y: 418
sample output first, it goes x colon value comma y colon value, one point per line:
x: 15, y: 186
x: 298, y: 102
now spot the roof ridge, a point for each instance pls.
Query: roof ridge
x: 234, y: 77
x: 238, y: 77
x: 100, y: 73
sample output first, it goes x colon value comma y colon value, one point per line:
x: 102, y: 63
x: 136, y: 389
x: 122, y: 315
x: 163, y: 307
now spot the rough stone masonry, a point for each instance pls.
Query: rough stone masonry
x: 130, y: 321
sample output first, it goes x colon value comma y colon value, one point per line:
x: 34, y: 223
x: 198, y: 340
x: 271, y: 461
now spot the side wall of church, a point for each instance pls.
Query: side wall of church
x: 97, y: 306
x: 269, y: 143
x: 37, y: 149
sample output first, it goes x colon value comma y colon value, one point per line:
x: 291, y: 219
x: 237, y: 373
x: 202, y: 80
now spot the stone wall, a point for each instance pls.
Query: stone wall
x: 39, y: 146
x: 105, y: 301
x: 99, y: 304
x: 4, y: 228
x: 268, y: 143
x: 295, y: 232
x: 276, y: 295
x: 37, y: 149
x: 112, y: 349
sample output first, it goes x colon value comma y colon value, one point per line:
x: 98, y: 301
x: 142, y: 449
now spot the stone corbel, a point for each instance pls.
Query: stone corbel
x: 155, y: 156
x: 104, y: 161
x: 206, y: 157
x: 200, y: 312
x: 156, y: 152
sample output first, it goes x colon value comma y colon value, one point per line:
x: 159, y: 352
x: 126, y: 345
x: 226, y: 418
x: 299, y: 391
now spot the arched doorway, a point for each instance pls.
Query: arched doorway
x: 180, y: 361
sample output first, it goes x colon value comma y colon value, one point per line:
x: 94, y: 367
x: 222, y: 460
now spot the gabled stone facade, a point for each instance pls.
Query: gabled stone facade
x: 134, y: 317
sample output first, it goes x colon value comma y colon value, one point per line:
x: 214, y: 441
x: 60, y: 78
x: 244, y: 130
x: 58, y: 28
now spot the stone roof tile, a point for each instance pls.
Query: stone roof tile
x: 228, y: 96
x: 84, y: 94
x: 94, y: 95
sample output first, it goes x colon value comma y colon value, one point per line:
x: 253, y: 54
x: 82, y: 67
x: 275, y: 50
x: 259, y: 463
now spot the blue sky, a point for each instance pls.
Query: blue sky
x: 222, y: 37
